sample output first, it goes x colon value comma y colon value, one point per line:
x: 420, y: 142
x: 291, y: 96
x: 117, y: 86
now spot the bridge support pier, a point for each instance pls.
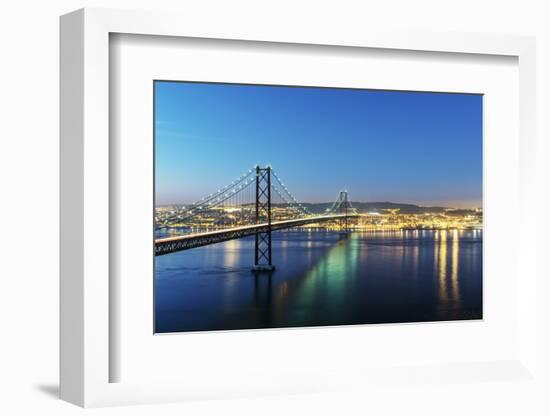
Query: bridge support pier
x: 263, y: 268
x: 262, y: 247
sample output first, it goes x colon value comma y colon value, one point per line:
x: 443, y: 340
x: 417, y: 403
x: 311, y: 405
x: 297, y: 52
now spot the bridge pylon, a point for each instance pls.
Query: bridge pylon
x: 262, y: 246
x: 343, y: 208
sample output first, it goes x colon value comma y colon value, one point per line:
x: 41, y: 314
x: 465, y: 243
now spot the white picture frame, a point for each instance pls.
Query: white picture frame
x: 85, y: 216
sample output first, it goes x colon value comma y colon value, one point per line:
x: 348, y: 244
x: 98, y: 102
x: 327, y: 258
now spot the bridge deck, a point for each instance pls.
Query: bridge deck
x: 186, y: 242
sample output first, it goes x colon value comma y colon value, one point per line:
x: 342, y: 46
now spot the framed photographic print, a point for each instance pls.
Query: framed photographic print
x: 245, y: 212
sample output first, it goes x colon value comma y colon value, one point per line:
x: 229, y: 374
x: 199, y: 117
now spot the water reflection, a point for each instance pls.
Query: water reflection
x: 232, y: 253
x: 454, y: 267
x: 415, y: 254
x: 442, y: 263
x: 332, y: 276
x: 322, y: 278
x: 447, y: 274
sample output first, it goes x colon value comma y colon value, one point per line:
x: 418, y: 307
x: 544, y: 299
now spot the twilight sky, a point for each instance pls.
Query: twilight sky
x: 422, y: 148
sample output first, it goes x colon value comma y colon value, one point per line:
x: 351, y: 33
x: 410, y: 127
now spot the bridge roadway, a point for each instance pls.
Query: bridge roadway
x: 186, y: 242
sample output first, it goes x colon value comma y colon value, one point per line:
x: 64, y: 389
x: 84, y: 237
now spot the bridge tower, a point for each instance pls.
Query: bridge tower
x: 262, y: 248
x: 343, y: 208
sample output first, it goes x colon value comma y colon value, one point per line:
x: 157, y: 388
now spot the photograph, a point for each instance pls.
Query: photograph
x: 284, y: 206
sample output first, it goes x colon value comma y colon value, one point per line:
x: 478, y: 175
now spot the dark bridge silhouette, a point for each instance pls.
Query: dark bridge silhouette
x: 262, y: 226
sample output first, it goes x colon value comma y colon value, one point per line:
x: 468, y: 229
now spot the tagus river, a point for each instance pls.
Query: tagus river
x: 322, y: 278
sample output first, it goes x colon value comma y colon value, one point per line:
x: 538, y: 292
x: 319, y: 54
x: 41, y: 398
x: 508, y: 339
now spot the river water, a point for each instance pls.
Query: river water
x: 322, y: 278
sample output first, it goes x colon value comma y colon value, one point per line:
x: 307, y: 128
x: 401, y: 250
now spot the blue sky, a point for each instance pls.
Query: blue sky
x: 423, y: 148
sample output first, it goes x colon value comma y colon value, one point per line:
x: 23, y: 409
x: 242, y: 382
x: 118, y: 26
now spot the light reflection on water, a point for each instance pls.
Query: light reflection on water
x: 322, y: 278
x: 454, y: 267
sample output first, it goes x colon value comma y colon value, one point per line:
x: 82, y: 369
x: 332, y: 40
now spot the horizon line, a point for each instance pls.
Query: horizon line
x: 480, y: 205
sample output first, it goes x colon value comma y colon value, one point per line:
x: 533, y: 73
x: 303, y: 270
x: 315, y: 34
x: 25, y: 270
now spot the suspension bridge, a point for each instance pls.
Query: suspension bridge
x: 256, y: 204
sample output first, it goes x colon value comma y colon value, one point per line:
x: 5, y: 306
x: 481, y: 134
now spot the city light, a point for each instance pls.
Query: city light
x: 176, y: 218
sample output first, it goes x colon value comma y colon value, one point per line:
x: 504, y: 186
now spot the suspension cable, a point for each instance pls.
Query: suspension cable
x: 222, y: 194
x: 302, y: 208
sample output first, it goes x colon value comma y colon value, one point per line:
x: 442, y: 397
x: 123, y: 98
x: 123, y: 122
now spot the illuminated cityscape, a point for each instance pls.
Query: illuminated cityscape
x: 172, y: 220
